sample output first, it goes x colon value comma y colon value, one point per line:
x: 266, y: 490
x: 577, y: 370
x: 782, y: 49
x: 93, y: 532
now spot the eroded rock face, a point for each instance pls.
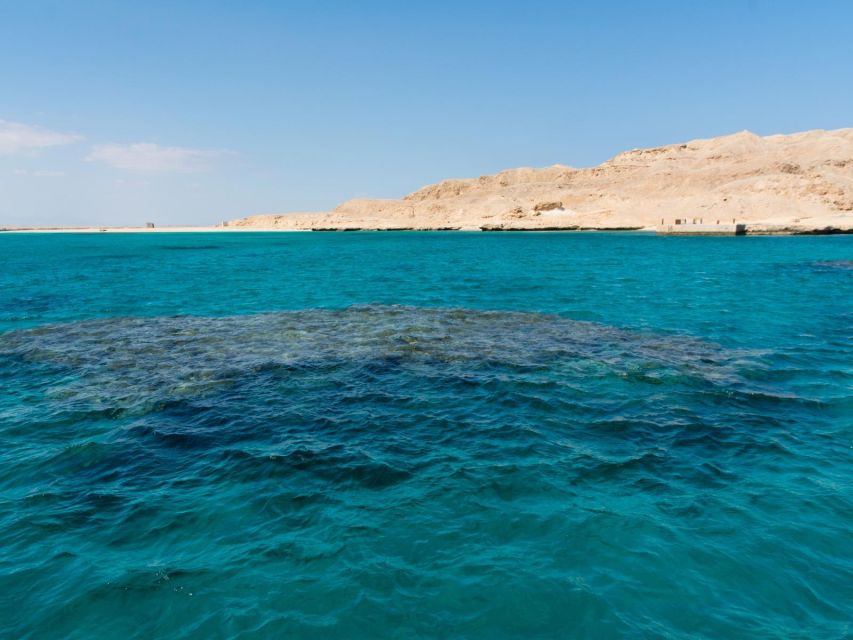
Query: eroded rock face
x: 803, y: 181
x: 548, y: 206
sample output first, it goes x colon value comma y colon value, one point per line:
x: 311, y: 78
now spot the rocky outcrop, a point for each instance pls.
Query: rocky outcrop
x: 798, y: 182
x: 547, y: 206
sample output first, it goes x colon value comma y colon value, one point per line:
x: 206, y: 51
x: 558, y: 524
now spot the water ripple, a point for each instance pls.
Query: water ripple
x: 333, y: 471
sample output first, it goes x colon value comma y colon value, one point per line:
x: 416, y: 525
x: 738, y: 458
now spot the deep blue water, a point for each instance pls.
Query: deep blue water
x: 367, y: 435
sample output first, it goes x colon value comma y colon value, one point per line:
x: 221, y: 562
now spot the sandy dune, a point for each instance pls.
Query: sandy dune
x: 797, y: 182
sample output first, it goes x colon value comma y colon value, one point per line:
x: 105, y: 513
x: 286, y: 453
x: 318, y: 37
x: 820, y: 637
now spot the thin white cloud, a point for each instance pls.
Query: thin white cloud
x: 146, y: 156
x: 16, y: 137
x: 38, y: 174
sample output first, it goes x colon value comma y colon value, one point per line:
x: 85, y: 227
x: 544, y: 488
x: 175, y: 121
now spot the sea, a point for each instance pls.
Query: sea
x: 425, y: 435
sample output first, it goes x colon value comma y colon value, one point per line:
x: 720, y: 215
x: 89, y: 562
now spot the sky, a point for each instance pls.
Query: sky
x: 187, y: 112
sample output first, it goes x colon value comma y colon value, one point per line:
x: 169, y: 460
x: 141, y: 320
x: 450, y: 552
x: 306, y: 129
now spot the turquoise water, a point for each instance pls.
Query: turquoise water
x: 425, y: 435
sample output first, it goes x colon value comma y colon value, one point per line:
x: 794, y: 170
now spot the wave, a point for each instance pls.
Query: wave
x: 315, y: 469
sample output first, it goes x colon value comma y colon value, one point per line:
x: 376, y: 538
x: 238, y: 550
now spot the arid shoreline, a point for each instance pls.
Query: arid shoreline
x: 751, y: 230
x: 781, y: 184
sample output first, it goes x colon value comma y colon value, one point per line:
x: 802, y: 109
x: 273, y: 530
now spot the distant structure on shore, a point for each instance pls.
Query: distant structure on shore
x: 776, y: 184
x: 685, y: 228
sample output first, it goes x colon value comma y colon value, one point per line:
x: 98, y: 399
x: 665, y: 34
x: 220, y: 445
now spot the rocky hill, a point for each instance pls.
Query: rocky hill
x: 797, y: 182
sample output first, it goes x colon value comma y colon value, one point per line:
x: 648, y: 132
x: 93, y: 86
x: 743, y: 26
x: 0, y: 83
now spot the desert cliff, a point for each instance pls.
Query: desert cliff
x: 779, y: 183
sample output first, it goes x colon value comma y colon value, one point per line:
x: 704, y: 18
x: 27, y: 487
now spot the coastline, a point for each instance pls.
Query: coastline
x: 176, y: 229
x: 739, y: 184
x: 684, y: 231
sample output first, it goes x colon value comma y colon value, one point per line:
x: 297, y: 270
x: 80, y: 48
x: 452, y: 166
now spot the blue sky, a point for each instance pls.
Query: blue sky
x: 195, y: 112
